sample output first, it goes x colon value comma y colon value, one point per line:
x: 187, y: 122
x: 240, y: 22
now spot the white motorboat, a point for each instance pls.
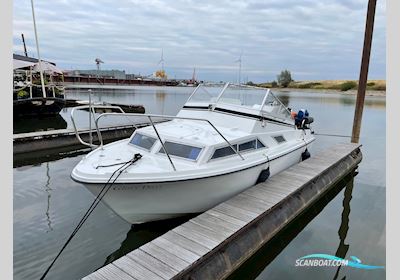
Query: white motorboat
x: 223, y: 140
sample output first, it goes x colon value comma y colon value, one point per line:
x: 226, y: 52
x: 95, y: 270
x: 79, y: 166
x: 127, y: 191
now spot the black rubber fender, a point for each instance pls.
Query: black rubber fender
x: 264, y: 175
x: 305, y: 155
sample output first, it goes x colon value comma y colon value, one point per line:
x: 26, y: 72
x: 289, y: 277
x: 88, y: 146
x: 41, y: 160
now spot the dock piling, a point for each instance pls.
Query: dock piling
x: 362, y: 83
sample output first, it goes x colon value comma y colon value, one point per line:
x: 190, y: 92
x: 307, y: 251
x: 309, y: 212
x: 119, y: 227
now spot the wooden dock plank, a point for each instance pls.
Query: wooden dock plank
x: 134, y: 269
x: 164, y: 256
x: 264, y: 196
x: 223, y: 221
x: 283, y: 188
x: 286, y: 180
x: 151, y: 263
x: 304, y: 177
x: 225, y: 217
x: 278, y: 189
x: 265, y: 203
x: 248, y: 203
x: 109, y: 271
x: 314, y: 165
x: 176, y: 250
x: 194, y: 236
x: 215, y: 223
x: 290, y: 179
x: 237, y: 213
x: 215, y: 235
x: 268, y: 190
x: 302, y: 170
x: 185, y: 243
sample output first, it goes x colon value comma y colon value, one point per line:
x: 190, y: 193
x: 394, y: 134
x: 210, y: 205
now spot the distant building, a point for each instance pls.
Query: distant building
x: 132, y: 76
x: 117, y: 74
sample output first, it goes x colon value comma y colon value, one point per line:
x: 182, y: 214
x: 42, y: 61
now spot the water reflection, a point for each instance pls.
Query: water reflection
x: 259, y: 261
x: 344, y: 226
x: 39, y: 157
x: 24, y: 125
x: 48, y: 190
x: 376, y: 102
x: 160, y: 101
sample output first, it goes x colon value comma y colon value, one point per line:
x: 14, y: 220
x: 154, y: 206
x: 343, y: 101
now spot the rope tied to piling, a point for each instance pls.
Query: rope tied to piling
x: 94, y: 204
x: 332, y: 135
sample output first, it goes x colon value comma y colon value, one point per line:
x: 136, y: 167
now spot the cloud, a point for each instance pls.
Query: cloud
x: 314, y: 39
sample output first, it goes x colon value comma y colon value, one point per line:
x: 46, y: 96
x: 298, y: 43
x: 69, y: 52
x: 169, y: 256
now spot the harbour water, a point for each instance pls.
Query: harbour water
x: 48, y: 203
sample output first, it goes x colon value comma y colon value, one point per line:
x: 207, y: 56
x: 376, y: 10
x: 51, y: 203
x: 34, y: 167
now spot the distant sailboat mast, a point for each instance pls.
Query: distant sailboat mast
x: 38, y: 53
x: 240, y: 67
x: 194, y: 75
x: 162, y: 60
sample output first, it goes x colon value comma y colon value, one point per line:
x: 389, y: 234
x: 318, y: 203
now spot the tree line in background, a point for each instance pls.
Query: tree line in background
x: 284, y: 80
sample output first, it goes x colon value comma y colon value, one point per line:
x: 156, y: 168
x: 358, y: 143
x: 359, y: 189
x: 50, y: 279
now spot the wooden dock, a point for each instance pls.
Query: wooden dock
x: 65, y: 138
x: 215, y: 243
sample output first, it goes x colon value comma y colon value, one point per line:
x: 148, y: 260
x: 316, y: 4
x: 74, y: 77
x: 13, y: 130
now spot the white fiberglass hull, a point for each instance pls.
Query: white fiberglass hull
x: 146, y: 202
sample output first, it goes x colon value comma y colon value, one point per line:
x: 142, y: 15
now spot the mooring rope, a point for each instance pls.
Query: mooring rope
x: 333, y: 135
x: 94, y: 204
x: 114, y: 164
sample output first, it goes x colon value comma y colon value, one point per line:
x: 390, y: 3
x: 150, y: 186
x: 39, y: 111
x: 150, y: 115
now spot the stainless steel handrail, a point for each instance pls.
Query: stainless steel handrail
x: 162, y: 143
x: 91, y: 112
x: 150, y: 116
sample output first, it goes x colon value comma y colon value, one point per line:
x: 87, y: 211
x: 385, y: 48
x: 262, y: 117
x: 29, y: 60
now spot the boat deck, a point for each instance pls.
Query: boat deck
x: 215, y: 243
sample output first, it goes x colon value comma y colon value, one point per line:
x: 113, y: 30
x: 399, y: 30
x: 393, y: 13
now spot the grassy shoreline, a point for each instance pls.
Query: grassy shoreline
x: 374, y: 87
x: 332, y: 91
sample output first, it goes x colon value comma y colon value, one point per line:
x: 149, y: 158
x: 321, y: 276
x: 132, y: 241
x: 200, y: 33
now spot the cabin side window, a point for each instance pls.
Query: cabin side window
x: 243, y: 147
x: 223, y: 152
x: 181, y: 150
x: 260, y: 144
x: 143, y: 141
x: 251, y: 145
x: 279, y: 139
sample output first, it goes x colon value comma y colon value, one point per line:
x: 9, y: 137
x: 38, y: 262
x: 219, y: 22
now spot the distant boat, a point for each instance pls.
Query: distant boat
x: 36, y: 102
x: 28, y: 98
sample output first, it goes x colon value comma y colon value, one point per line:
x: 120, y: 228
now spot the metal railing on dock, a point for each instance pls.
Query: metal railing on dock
x: 215, y: 243
x: 66, y: 138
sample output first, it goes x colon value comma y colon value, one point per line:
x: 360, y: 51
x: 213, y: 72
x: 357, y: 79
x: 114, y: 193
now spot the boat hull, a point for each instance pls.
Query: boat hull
x: 146, y: 202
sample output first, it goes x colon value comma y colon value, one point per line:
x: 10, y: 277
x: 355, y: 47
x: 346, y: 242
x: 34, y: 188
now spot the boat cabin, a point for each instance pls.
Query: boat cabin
x: 217, y: 123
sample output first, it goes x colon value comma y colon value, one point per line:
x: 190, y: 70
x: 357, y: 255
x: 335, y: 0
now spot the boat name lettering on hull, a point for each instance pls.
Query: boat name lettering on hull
x: 137, y: 187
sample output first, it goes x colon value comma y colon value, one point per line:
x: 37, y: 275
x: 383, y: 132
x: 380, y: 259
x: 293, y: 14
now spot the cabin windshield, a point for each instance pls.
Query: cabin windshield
x: 181, y: 150
x: 142, y: 141
x: 234, y: 95
x: 205, y: 94
x: 256, y: 100
x: 275, y: 107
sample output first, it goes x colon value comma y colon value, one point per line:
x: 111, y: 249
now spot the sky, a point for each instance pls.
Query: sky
x: 315, y: 40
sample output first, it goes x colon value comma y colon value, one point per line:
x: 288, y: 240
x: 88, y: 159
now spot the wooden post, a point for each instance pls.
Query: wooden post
x: 362, y: 83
